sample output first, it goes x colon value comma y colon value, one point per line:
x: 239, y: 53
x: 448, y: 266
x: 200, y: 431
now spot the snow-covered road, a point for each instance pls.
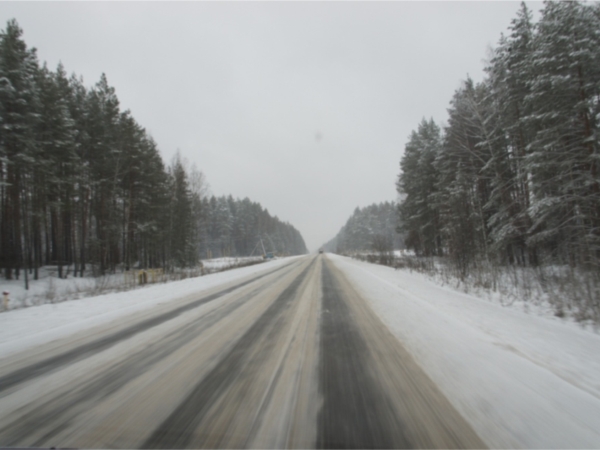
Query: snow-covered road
x: 520, y: 380
x: 28, y: 327
x: 296, y: 352
x: 289, y: 357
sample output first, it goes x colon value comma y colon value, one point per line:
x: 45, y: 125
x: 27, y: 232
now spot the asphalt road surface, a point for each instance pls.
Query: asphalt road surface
x: 289, y: 358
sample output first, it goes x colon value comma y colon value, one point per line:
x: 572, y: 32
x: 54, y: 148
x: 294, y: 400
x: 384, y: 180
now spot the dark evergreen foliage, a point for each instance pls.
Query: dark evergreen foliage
x: 83, y: 186
x: 242, y: 227
x: 369, y: 229
x: 513, y: 178
x: 421, y: 217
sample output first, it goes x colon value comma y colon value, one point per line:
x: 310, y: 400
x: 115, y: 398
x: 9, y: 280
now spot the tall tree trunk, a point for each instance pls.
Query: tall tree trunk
x: 16, y: 232
x: 84, y: 202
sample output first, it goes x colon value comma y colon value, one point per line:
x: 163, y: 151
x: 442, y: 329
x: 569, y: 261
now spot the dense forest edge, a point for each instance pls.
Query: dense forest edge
x: 506, y: 194
x: 83, y: 186
x: 372, y: 228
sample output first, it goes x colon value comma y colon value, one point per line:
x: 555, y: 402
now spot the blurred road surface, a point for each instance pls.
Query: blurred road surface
x: 291, y: 358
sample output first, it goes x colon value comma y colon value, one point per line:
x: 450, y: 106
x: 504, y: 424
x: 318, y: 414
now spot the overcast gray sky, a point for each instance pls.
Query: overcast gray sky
x: 303, y: 107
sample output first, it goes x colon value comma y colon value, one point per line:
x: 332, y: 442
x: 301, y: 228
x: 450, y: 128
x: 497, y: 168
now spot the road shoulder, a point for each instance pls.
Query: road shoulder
x: 519, y: 380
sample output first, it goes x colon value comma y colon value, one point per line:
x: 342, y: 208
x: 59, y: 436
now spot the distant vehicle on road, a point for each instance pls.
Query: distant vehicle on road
x: 320, y: 250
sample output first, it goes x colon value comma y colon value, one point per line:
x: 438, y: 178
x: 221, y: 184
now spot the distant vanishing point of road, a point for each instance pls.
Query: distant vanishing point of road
x: 293, y: 357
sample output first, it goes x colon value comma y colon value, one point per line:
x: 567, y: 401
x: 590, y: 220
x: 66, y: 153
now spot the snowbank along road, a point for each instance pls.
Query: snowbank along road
x: 293, y: 357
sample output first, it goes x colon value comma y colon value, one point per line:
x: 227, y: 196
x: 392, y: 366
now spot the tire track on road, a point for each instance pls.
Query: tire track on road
x: 375, y: 394
x: 177, y: 431
x: 356, y: 412
x: 59, y: 411
x: 50, y: 364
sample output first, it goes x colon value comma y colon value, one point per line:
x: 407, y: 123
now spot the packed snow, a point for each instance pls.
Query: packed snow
x: 27, y: 327
x: 521, y: 380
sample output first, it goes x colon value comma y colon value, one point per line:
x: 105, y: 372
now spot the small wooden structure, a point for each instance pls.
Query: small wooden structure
x: 144, y: 276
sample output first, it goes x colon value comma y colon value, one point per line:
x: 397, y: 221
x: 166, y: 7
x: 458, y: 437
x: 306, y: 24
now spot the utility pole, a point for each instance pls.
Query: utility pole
x: 263, y: 247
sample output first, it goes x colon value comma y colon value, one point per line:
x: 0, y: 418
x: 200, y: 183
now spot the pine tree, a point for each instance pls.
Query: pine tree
x: 57, y: 162
x: 564, y: 107
x: 418, y: 183
x: 18, y: 146
x: 367, y: 228
x: 181, y: 249
x: 508, y: 73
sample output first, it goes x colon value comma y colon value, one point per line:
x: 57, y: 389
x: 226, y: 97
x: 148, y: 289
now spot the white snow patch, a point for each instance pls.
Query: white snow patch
x: 521, y: 380
x: 226, y: 262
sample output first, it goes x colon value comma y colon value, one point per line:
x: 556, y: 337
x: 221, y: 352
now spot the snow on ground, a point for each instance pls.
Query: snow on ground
x: 521, y: 380
x: 28, y: 327
x: 50, y: 289
x: 224, y: 263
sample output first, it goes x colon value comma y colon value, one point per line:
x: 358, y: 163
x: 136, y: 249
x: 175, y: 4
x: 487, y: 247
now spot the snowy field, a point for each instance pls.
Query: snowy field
x: 520, y: 379
x: 28, y: 327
